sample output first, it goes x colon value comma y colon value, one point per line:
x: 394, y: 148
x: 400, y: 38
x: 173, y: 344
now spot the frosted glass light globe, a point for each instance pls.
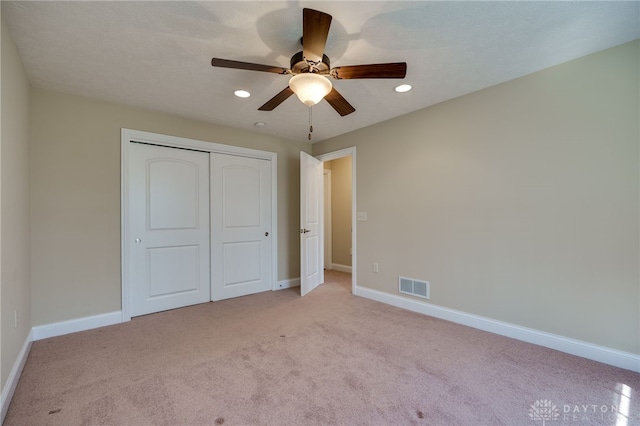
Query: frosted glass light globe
x: 310, y: 88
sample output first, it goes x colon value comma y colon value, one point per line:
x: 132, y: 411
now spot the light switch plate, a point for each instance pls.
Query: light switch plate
x: 361, y: 216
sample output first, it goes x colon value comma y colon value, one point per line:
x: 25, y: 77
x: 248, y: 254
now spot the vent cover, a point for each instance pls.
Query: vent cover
x: 414, y: 287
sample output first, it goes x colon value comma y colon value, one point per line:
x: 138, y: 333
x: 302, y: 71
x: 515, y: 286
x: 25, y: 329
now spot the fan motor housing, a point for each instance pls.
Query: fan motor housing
x: 300, y: 65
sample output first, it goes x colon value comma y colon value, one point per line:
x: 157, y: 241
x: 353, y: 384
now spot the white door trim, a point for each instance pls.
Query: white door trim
x: 346, y: 152
x: 127, y: 136
x: 328, y: 238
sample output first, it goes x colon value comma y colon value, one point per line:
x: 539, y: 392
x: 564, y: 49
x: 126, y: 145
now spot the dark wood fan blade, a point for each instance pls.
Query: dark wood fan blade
x: 391, y: 70
x: 226, y: 63
x: 276, y: 100
x: 339, y: 103
x: 315, y: 30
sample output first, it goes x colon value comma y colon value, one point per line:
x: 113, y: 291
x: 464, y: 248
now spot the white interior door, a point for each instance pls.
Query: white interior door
x: 169, y: 217
x: 241, y: 226
x: 311, y: 223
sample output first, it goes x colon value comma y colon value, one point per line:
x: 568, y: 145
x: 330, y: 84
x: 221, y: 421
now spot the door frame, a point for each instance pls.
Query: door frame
x: 328, y: 238
x: 126, y: 137
x: 349, y: 152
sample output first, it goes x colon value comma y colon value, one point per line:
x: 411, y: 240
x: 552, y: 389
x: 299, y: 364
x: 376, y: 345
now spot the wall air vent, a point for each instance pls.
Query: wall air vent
x: 414, y: 287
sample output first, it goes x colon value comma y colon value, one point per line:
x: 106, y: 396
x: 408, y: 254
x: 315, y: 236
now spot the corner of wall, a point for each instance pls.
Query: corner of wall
x: 15, y: 282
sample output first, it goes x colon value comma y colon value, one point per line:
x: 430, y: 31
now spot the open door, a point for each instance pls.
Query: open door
x: 311, y: 223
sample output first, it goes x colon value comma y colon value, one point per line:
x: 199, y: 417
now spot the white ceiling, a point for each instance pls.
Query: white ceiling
x: 157, y: 55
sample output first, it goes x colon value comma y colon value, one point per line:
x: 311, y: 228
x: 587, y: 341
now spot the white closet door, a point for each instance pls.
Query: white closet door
x: 169, y: 217
x: 240, y: 226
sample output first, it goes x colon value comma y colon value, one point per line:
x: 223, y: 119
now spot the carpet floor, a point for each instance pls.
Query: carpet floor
x: 329, y: 358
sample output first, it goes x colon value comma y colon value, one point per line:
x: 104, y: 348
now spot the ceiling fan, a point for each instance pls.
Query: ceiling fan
x: 310, y: 67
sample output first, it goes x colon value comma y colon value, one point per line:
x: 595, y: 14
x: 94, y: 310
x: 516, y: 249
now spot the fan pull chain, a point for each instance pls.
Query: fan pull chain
x: 310, y: 123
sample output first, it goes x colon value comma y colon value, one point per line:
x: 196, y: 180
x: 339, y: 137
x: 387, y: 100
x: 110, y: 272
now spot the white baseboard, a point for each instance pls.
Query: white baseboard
x: 80, y: 324
x: 293, y: 282
x: 14, y: 375
x: 341, y: 268
x: 591, y: 351
x: 43, y: 332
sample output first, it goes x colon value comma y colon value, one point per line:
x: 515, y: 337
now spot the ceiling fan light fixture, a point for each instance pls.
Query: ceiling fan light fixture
x: 310, y: 88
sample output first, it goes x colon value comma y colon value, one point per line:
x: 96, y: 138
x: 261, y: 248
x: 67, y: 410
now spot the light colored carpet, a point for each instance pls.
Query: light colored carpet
x: 328, y: 358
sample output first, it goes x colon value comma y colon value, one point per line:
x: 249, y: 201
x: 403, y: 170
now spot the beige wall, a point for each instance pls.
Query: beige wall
x: 75, y: 198
x: 518, y: 202
x: 340, y: 210
x: 15, y: 293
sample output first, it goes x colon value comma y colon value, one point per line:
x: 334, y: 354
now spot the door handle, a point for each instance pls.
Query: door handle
x: 304, y: 231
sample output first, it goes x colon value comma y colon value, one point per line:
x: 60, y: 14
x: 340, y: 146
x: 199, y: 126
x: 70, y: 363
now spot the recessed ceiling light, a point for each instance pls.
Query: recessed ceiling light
x: 403, y: 88
x: 242, y: 93
x: 260, y: 124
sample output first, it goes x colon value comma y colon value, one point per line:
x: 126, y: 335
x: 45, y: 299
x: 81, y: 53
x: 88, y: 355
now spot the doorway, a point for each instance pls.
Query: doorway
x: 343, y: 217
x: 337, y: 218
